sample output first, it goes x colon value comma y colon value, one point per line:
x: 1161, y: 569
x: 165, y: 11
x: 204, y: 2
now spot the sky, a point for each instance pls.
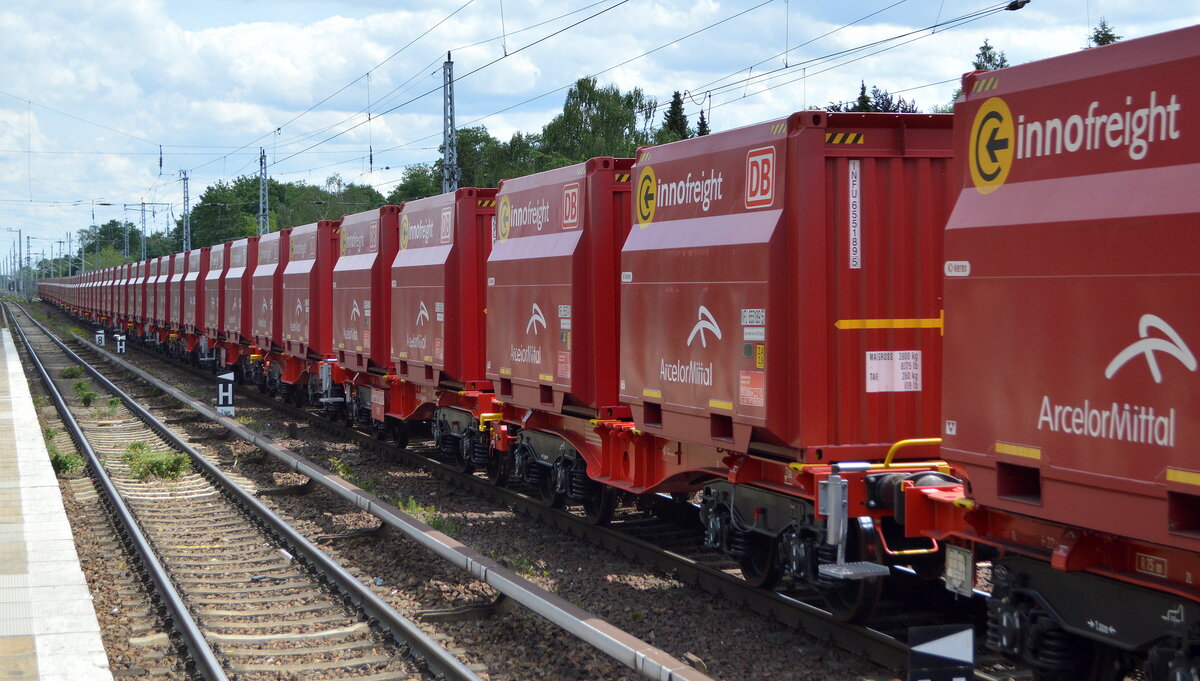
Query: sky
x: 110, y: 101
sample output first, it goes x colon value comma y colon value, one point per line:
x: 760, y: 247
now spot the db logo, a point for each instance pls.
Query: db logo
x: 570, y: 206
x: 447, y: 225
x: 760, y: 177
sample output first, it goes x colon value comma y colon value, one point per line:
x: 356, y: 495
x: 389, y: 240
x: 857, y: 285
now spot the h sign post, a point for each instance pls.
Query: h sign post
x: 225, y: 394
x: 120, y: 340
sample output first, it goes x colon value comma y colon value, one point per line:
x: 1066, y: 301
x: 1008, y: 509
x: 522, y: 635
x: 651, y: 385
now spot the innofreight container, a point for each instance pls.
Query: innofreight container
x: 193, y: 290
x: 242, y: 255
x: 307, y: 293
x: 214, y: 292
x: 781, y: 286
x: 121, y: 290
x: 266, y: 324
x: 553, y: 285
x: 439, y: 287
x: 1072, y: 258
x: 179, y: 265
x: 362, y: 289
x: 141, y: 304
x: 162, y: 296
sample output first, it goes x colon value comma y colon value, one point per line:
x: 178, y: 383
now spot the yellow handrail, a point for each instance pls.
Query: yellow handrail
x: 887, y: 460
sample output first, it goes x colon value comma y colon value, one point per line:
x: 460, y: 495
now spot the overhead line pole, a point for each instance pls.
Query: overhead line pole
x: 449, y: 138
x: 187, y: 216
x: 264, y: 221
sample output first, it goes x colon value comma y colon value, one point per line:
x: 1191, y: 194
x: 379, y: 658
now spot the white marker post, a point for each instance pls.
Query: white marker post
x: 225, y: 395
x: 100, y: 337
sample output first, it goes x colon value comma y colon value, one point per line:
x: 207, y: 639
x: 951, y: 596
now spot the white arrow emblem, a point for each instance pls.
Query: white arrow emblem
x: 1174, y: 347
x: 534, y: 319
x: 355, y: 313
x: 705, y: 321
x: 422, y: 314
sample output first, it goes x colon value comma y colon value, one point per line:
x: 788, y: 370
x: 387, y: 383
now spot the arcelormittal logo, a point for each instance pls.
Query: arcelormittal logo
x: 705, y: 321
x: 1172, y: 345
x: 534, y: 319
x: 422, y: 314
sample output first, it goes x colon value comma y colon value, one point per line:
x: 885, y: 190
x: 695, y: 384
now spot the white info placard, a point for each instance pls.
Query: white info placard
x: 894, y: 371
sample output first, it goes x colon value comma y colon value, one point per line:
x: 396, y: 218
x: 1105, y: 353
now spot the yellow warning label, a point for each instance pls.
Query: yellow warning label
x: 644, y: 197
x: 992, y: 145
x: 403, y: 232
x: 760, y: 356
x: 503, y: 218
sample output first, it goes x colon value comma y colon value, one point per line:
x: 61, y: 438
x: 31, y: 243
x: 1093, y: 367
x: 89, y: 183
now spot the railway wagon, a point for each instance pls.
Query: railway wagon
x: 306, y: 293
x: 438, y: 332
x: 174, y: 316
x: 214, y: 306
x: 194, y: 302
x: 1071, y: 387
x: 781, y: 337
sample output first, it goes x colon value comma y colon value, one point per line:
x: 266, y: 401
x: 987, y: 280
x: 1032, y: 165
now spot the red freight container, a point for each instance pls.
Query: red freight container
x: 121, y: 288
x: 267, y: 287
x: 439, y: 287
x: 141, y: 277
x: 552, y: 286
x: 161, y: 291
x: 1071, y: 258
x: 193, y: 290
x: 781, y: 286
x: 243, y: 254
x: 179, y: 266
x: 214, y: 292
x: 151, y: 303
x: 307, y: 295
x: 362, y: 290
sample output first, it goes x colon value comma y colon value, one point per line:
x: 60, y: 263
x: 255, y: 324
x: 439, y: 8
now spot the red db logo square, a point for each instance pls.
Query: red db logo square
x: 570, y: 206
x: 760, y: 177
x: 447, y: 229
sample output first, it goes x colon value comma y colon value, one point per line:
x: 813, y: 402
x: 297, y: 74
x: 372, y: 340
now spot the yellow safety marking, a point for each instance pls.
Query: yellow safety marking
x: 779, y: 128
x: 546, y: 377
x: 985, y: 84
x: 963, y: 502
x: 656, y: 394
x: 918, y: 323
x: 621, y: 177
x: 645, y: 156
x: 403, y: 355
x: 428, y: 358
x: 1185, y: 477
x: 485, y: 203
x: 720, y: 404
x: 844, y: 138
x: 1018, y: 450
x: 506, y: 372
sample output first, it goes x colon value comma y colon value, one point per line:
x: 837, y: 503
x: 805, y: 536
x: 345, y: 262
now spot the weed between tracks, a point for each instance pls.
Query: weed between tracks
x: 373, y: 484
x: 84, y: 393
x: 64, y: 463
x: 144, y: 462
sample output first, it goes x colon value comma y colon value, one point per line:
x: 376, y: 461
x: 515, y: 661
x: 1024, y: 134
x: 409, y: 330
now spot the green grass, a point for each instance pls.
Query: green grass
x: 49, y: 432
x: 69, y: 464
x: 429, y: 515
x: 72, y: 372
x: 144, y: 462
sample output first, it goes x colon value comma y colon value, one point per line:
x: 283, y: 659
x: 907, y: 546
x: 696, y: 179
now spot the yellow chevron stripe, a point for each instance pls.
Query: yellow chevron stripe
x: 622, y: 177
x: 779, y: 128
x: 845, y: 138
x: 918, y: 323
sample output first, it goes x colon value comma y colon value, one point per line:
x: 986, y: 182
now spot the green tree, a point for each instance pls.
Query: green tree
x: 675, y: 122
x: 877, y: 100
x: 595, y: 121
x: 417, y: 182
x: 1103, y: 34
x: 988, y: 58
x: 702, y: 125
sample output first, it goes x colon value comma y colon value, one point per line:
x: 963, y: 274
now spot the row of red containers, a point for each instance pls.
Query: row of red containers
x: 779, y: 283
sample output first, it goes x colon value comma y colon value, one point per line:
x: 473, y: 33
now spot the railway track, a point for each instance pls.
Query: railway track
x: 659, y: 537
x: 249, y: 602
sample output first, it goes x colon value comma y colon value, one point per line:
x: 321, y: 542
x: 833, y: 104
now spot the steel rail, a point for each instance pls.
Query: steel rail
x: 199, y: 652
x: 439, y: 660
x: 647, y: 660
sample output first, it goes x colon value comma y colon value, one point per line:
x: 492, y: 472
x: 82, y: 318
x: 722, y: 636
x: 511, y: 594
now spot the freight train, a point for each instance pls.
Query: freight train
x: 862, y: 341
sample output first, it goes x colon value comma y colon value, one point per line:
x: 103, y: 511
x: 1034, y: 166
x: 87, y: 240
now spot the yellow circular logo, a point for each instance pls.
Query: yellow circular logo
x: 644, y: 195
x: 403, y: 232
x: 503, y: 218
x: 342, y: 242
x: 992, y: 145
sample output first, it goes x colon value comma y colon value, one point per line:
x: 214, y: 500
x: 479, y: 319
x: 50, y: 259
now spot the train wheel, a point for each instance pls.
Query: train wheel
x: 463, y: 460
x: 399, y: 433
x: 546, y: 490
x: 855, y: 600
x: 499, y: 466
x: 598, y: 507
x: 761, y: 567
